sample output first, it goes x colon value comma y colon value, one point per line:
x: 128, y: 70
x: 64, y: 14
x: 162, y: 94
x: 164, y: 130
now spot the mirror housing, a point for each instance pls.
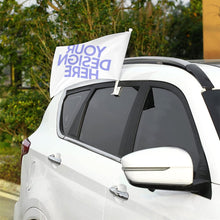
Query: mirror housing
x: 161, y: 166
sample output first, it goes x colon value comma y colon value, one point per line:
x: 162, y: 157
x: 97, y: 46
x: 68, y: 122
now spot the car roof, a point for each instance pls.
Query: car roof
x: 181, y: 73
x: 200, y: 74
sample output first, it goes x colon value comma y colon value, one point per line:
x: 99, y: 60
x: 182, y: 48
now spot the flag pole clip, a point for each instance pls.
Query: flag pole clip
x: 117, y: 89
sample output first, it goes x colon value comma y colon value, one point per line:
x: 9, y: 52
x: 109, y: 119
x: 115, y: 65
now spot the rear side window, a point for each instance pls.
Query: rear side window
x: 106, y: 118
x: 71, y: 108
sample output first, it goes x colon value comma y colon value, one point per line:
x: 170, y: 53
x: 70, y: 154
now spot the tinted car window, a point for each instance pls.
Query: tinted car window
x: 106, y: 118
x: 71, y: 107
x: 164, y: 122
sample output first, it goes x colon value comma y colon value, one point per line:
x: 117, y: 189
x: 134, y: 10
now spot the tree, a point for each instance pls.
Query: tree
x: 29, y: 36
x: 185, y: 31
x: 21, y: 114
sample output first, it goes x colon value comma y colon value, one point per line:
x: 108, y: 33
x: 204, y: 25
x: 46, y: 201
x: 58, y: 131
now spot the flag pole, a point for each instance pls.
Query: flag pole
x: 117, y: 88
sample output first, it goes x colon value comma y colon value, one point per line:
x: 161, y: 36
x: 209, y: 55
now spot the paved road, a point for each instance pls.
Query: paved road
x: 6, y: 208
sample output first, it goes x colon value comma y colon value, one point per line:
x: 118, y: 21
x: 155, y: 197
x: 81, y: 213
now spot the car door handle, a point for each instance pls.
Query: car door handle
x: 55, y: 158
x: 123, y: 195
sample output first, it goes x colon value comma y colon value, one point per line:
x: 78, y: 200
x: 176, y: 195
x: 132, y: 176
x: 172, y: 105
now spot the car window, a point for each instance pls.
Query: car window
x: 106, y: 118
x: 164, y: 122
x: 212, y: 99
x: 71, y: 107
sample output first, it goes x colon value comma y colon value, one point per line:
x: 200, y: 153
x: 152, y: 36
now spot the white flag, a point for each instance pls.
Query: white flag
x: 101, y: 58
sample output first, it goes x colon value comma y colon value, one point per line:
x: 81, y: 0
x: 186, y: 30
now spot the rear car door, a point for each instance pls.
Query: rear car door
x: 91, y: 126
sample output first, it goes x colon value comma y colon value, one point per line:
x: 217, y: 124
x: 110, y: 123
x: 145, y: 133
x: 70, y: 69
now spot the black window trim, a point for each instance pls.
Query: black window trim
x: 128, y: 138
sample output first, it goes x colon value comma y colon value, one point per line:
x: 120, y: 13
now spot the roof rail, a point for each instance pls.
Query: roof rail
x: 191, y: 68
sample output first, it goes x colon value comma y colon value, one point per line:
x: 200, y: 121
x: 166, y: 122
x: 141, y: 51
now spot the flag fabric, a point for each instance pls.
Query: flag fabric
x: 101, y: 58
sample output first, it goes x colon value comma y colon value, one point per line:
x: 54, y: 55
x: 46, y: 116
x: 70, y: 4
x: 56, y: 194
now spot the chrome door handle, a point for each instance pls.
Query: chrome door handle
x: 123, y: 195
x: 55, y: 159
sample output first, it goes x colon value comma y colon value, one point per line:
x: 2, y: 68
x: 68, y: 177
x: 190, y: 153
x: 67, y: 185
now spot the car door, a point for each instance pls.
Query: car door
x: 91, y: 127
x: 165, y: 120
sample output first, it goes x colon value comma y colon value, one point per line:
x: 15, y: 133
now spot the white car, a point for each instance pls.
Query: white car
x: 150, y: 152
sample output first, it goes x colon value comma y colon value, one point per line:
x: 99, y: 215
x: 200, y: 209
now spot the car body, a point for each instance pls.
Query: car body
x: 150, y: 152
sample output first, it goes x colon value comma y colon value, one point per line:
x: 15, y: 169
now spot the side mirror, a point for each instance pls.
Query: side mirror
x: 159, y: 166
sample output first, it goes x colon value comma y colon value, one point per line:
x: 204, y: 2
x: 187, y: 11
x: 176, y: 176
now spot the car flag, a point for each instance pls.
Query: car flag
x: 101, y: 58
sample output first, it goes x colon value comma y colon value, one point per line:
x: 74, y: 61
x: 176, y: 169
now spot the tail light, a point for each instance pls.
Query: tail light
x: 25, y: 147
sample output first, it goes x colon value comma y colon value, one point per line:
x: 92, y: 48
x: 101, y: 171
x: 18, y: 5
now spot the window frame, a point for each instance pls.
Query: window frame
x: 131, y: 128
x: 93, y: 88
x: 182, y: 98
